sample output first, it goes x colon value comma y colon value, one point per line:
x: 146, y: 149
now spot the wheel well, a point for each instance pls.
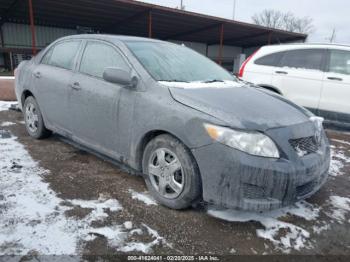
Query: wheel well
x: 145, y: 140
x: 271, y: 88
x: 24, y: 96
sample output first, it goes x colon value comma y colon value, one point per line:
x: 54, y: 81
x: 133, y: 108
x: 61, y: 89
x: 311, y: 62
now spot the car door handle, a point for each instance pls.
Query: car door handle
x: 75, y: 86
x: 335, y: 78
x: 281, y: 72
x: 37, y: 74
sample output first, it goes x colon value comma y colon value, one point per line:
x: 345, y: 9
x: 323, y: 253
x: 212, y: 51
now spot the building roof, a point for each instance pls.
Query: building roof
x: 129, y: 17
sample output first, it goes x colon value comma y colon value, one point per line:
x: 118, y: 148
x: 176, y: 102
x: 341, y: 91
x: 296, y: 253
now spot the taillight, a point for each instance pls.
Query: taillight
x: 241, y: 70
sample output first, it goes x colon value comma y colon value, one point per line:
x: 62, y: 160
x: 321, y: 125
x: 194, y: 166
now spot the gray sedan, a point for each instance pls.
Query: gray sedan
x: 193, y: 130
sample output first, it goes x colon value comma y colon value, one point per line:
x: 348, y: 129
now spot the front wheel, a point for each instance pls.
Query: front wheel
x: 171, y: 173
x: 34, y: 120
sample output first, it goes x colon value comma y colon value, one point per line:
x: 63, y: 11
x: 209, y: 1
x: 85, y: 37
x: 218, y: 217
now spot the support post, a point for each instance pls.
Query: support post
x: 32, y: 26
x: 2, y: 37
x: 221, y: 44
x: 11, y: 62
x: 269, y: 39
x: 150, y: 24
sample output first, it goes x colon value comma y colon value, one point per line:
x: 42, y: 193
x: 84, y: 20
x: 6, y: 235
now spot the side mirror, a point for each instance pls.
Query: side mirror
x: 120, y: 76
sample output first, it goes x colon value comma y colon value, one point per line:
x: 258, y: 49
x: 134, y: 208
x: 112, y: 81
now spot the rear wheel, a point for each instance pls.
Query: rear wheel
x: 33, y: 119
x: 171, y: 173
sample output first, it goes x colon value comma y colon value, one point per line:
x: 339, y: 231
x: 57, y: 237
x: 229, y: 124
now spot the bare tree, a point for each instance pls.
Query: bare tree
x: 285, y: 21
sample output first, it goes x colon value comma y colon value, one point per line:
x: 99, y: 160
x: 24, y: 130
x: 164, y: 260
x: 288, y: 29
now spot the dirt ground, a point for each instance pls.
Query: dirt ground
x: 7, y: 90
x: 76, y: 174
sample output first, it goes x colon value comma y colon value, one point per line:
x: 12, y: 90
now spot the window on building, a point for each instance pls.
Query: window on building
x: 303, y: 58
x: 97, y: 56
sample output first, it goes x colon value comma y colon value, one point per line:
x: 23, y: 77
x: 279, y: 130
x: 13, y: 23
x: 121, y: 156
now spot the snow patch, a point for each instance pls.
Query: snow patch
x: 7, y: 77
x: 143, y: 197
x: 5, y: 105
x: 320, y: 229
x: 98, y: 207
x: 285, y: 236
x: 340, y: 207
x: 233, y: 251
x: 33, y: 218
x: 4, y: 124
x: 338, y: 161
x: 128, y: 224
x: 300, y: 152
x: 341, y: 141
x: 199, y: 84
x: 146, y: 247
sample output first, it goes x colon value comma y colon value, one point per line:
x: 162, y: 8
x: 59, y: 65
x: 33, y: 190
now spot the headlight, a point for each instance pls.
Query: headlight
x: 253, y: 143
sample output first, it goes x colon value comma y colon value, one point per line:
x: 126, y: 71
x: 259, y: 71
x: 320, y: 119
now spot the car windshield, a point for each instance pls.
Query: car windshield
x: 177, y: 63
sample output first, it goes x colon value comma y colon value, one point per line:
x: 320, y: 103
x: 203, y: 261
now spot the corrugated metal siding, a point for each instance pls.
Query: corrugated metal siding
x: 19, y: 35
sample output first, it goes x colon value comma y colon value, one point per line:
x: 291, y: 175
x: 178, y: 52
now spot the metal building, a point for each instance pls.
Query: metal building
x: 27, y: 26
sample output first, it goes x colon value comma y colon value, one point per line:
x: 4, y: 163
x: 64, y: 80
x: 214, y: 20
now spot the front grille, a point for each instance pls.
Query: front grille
x: 305, y: 145
x: 306, y: 188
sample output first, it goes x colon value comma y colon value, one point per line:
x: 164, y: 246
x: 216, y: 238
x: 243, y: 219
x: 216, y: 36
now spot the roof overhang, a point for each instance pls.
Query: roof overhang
x: 132, y: 18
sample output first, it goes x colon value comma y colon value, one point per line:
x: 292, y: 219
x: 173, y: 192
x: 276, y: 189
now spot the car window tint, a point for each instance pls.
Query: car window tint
x: 98, y: 56
x: 63, y: 54
x: 269, y: 60
x: 304, y: 58
x: 339, y: 62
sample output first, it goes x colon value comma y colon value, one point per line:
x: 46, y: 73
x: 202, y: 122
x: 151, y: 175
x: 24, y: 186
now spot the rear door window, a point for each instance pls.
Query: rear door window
x: 97, y: 56
x: 269, y: 60
x: 304, y: 59
x: 62, y: 55
x: 47, y: 56
x: 339, y: 62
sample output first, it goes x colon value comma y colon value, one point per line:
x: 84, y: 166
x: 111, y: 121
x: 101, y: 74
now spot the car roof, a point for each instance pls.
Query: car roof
x: 318, y: 45
x: 270, y: 49
x: 112, y: 38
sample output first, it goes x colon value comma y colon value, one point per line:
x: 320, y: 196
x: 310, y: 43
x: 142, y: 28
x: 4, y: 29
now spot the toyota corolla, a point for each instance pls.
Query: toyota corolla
x: 187, y: 125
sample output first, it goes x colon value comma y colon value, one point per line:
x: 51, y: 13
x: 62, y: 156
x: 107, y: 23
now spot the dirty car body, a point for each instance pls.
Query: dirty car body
x: 210, y: 117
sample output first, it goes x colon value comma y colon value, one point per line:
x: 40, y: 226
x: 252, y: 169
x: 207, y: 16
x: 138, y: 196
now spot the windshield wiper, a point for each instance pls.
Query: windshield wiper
x: 173, y: 80
x: 212, y: 81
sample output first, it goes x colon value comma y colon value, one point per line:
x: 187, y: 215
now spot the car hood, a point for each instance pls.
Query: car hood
x: 242, y: 107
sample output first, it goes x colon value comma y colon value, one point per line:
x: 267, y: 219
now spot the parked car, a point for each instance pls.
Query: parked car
x: 191, y: 128
x: 316, y: 76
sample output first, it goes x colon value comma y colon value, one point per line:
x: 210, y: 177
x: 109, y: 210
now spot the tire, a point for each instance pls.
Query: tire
x: 177, y: 157
x: 34, y: 120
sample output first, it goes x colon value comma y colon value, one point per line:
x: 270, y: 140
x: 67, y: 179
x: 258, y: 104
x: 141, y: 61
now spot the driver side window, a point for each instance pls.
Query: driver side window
x: 97, y: 56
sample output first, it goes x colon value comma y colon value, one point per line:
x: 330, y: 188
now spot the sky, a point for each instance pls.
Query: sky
x: 326, y: 14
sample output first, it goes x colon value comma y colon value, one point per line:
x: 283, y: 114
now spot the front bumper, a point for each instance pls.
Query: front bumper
x: 234, y: 179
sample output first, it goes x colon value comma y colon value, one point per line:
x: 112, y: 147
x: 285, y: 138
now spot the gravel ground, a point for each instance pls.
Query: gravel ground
x: 58, y: 199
